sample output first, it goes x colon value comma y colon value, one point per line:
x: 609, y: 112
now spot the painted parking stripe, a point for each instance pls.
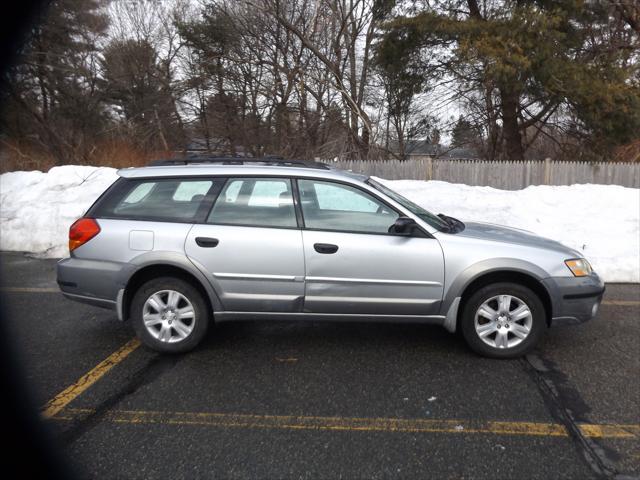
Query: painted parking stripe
x: 29, y: 290
x: 289, y: 422
x: 57, y: 403
x: 627, y: 303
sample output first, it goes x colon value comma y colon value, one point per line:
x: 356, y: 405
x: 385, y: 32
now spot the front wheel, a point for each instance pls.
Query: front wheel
x: 169, y: 315
x: 503, y: 320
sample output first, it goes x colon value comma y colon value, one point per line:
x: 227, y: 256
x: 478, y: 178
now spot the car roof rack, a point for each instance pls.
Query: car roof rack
x: 230, y: 160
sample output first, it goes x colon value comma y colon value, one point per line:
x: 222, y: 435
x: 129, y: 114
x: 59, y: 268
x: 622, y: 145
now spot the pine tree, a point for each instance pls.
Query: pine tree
x: 529, y: 62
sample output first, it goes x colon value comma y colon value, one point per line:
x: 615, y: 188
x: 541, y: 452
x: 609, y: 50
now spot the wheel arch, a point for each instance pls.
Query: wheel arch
x: 501, y: 270
x: 166, y: 267
x: 513, y: 276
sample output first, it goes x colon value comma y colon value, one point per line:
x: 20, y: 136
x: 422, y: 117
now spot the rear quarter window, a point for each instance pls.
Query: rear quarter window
x: 181, y: 200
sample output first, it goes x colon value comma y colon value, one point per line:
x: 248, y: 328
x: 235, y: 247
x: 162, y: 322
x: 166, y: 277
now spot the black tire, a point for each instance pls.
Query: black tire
x: 201, y: 318
x: 537, y: 328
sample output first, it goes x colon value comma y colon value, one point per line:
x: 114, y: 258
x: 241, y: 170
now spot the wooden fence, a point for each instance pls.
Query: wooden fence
x: 503, y: 175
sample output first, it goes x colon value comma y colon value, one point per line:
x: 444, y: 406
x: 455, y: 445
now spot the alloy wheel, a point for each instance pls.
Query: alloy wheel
x: 168, y: 316
x: 503, y: 321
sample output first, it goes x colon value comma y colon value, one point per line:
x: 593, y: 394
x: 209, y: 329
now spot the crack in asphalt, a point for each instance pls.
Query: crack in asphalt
x: 566, y: 406
x: 145, y: 375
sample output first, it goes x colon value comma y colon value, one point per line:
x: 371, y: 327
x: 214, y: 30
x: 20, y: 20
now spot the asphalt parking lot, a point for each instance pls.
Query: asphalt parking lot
x: 326, y: 400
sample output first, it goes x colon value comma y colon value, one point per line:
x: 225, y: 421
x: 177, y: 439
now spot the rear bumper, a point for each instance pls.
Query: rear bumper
x: 91, y: 281
x: 574, y: 299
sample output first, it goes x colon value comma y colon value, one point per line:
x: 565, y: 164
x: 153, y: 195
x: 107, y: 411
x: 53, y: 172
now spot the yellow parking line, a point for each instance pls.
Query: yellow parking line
x: 627, y: 303
x: 607, y: 431
x: 29, y: 290
x: 290, y: 422
x: 57, y: 403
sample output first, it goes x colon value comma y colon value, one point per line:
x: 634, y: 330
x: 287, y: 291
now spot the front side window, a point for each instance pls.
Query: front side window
x: 334, y: 206
x: 255, y: 202
x: 156, y: 199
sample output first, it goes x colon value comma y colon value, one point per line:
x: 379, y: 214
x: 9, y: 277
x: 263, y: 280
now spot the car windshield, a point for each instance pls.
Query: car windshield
x: 427, y: 216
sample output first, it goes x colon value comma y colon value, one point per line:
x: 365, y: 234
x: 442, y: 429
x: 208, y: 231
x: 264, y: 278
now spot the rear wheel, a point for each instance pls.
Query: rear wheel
x: 169, y: 315
x: 503, y: 320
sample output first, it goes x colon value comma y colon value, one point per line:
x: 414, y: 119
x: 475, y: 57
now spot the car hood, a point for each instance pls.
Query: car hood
x: 500, y: 233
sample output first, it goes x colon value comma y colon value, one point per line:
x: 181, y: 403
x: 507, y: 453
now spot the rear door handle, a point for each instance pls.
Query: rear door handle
x: 325, y: 247
x: 207, y: 242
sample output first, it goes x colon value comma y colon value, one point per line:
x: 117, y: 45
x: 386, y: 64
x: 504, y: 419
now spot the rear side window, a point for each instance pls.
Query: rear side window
x: 157, y: 199
x: 255, y: 202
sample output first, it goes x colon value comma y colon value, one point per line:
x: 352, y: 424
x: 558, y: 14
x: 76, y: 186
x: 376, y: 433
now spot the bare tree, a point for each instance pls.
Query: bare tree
x: 336, y: 32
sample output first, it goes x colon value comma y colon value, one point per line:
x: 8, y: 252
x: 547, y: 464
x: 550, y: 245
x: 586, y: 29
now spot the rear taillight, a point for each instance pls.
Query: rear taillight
x: 82, y: 230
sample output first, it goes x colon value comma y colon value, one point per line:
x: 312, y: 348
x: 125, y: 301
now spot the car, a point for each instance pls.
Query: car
x: 180, y: 245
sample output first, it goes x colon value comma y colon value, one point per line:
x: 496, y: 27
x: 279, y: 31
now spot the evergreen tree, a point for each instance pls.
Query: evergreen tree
x: 53, y: 94
x: 465, y: 134
x: 529, y: 61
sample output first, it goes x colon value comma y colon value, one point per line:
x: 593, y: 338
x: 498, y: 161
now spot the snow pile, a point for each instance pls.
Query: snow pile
x: 602, y: 221
x: 37, y: 209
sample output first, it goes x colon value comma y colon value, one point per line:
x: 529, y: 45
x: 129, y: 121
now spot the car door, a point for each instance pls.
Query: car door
x: 354, y: 266
x: 251, y: 246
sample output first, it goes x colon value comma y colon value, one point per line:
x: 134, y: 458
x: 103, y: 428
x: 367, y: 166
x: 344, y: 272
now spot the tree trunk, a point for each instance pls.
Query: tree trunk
x: 160, y: 130
x: 401, y: 152
x: 366, y: 139
x: 511, y: 130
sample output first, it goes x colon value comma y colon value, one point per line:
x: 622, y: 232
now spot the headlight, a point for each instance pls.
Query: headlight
x: 579, y: 267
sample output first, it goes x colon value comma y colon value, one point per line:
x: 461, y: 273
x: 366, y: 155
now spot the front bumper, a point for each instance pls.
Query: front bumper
x: 574, y: 299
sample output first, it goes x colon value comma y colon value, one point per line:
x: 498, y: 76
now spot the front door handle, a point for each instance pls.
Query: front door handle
x: 207, y: 242
x: 325, y: 247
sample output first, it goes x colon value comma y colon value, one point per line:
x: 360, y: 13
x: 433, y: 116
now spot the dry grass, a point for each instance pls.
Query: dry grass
x: 119, y: 154
x: 14, y: 157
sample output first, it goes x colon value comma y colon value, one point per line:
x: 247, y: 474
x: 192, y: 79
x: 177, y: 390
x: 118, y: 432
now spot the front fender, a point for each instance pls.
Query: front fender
x: 463, y: 279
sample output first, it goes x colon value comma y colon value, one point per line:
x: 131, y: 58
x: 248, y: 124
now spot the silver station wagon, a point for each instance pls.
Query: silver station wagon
x: 179, y: 245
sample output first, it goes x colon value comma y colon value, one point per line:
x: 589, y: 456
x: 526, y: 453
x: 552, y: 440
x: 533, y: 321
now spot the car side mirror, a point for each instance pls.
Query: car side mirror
x: 403, y: 226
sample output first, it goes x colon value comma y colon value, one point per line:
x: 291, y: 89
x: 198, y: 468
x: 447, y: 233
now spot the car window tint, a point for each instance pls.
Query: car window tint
x: 139, y: 192
x: 333, y: 196
x: 267, y: 193
x: 157, y: 199
x: 334, y: 206
x: 186, y: 191
x: 257, y: 202
x: 232, y: 190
